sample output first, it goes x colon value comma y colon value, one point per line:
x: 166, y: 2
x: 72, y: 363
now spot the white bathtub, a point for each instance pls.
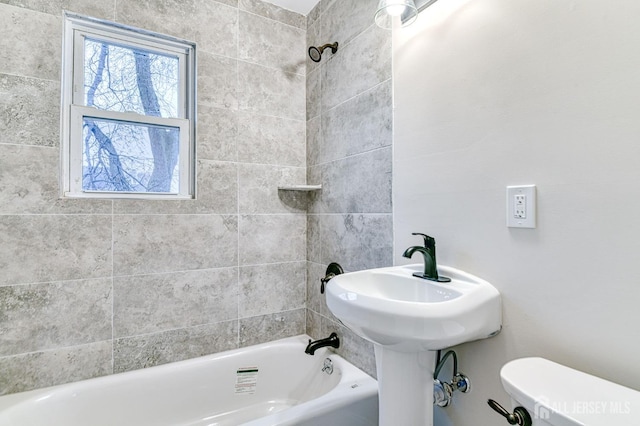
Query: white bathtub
x: 288, y: 388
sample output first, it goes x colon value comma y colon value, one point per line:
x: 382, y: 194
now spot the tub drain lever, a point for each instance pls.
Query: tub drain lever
x: 328, y: 366
x: 520, y: 415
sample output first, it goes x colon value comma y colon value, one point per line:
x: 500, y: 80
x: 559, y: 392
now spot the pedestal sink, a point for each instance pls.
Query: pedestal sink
x: 408, y: 319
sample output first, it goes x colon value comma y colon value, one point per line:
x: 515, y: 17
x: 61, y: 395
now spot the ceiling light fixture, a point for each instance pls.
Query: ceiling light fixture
x: 403, y: 11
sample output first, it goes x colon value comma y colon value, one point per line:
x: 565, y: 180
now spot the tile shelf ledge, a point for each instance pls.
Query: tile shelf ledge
x: 306, y: 188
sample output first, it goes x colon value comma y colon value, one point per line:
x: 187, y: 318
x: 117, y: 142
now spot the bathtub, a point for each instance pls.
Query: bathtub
x: 274, y: 383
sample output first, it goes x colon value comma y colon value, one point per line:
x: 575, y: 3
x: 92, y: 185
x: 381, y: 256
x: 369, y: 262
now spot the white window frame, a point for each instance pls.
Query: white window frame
x: 73, y: 111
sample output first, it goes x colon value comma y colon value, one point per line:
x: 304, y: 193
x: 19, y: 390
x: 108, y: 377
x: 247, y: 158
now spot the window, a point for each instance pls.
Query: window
x: 128, y: 112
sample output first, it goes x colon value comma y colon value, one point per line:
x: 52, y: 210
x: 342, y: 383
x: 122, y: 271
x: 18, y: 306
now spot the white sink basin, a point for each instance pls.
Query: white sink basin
x: 391, y: 307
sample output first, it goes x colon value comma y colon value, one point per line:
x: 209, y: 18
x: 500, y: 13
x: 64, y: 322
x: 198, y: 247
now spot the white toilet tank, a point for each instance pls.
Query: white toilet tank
x: 555, y: 395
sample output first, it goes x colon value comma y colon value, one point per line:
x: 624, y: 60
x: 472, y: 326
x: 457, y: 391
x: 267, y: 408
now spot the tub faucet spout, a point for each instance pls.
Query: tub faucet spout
x: 332, y: 341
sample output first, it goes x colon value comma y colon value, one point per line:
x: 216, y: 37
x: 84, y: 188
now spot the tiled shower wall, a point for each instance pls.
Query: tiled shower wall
x: 349, y: 136
x: 91, y: 287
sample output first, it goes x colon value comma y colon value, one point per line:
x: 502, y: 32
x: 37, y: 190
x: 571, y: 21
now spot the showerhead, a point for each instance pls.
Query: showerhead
x: 315, y: 53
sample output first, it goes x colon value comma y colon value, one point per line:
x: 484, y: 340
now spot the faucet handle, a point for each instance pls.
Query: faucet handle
x: 429, y: 242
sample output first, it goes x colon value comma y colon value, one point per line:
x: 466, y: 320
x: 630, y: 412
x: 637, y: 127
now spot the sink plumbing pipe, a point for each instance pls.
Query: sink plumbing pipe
x: 443, y: 391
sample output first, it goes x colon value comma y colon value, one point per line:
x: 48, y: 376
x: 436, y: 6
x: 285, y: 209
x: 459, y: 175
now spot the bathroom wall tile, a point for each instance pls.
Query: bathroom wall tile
x: 361, y: 124
x: 314, y: 93
x: 23, y: 54
x: 258, y: 189
x: 357, y: 67
x: 41, y: 369
x: 315, y: 175
x: 314, y: 38
x: 30, y: 184
x: 152, y: 303
x: 266, y: 139
x: 54, y: 248
x: 217, y: 189
x: 265, y: 328
x: 314, y: 141
x: 335, y: 186
x: 36, y: 317
x: 233, y: 3
x: 212, y: 25
x: 354, y: 348
x: 103, y: 9
x: 357, y: 241
x: 268, y: 91
x: 347, y: 139
x: 272, y: 238
x: 274, y: 12
x: 29, y: 111
x: 295, y: 201
x: 325, y: 5
x: 272, y: 288
x: 271, y: 44
x: 315, y: 300
x: 175, y: 263
x: 217, y: 81
x: 371, y: 176
x: 313, y: 239
x: 357, y: 184
x: 344, y: 20
x: 132, y: 353
x: 313, y: 15
x: 216, y: 134
x: 156, y: 243
x: 314, y: 325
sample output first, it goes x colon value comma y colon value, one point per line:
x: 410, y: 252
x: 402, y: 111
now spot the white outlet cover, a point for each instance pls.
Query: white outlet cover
x: 515, y: 220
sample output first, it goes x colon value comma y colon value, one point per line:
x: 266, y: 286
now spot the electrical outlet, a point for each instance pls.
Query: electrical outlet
x: 521, y: 206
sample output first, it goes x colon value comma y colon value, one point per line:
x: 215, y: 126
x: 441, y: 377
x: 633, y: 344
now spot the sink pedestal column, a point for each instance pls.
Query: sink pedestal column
x: 405, y: 386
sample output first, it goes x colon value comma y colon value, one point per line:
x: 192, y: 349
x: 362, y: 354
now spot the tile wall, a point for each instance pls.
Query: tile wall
x: 91, y: 287
x: 349, y: 136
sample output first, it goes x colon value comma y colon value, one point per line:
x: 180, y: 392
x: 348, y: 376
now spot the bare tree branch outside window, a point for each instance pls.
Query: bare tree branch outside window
x: 128, y: 156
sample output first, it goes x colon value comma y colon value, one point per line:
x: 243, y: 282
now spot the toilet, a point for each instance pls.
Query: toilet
x: 555, y: 395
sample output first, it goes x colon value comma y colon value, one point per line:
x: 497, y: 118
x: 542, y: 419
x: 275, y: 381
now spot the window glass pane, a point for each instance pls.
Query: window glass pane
x: 127, y: 79
x: 129, y: 157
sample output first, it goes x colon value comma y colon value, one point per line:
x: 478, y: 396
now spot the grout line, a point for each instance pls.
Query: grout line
x: 353, y: 155
x: 57, y: 348
x: 259, y: 64
x: 369, y: 89
x: 114, y: 277
x: 270, y: 165
x: 240, y: 111
x: 237, y: 140
x: 275, y: 20
x: 57, y: 147
x: 179, y: 328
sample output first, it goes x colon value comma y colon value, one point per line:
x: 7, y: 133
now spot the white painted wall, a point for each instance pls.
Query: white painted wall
x: 490, y: 93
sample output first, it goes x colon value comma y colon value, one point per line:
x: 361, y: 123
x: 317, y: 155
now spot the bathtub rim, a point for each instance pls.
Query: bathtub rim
x: 340, y: 396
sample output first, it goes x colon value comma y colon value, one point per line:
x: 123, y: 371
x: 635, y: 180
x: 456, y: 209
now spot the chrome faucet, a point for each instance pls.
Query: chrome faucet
x: 429, y: 254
